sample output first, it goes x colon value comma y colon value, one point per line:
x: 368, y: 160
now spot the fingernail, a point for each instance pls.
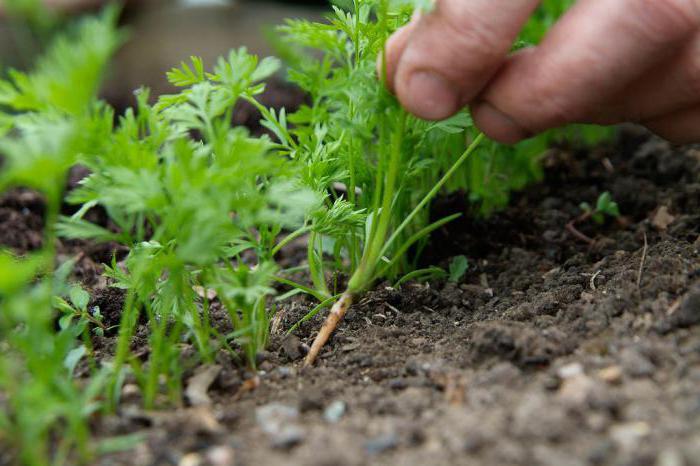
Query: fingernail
x: 431, y: 96
x: 497, y: 125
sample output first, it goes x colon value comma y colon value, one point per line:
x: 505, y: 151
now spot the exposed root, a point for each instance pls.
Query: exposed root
x: 334, y: 317
x: 571, y: 228
x: 641, y: 262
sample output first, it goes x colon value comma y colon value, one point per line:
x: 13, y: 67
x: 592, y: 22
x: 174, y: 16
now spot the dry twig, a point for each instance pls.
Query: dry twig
x: 641, y: 263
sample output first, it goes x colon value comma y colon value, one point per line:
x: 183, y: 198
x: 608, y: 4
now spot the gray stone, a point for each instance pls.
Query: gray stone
x: 381, y: 444
x: 635, y: 363
x: 279, y: 422
x: 335, y: 411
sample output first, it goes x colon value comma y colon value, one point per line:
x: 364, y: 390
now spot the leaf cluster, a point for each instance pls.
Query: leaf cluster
x: 605, y: 206
x: 46, y: 121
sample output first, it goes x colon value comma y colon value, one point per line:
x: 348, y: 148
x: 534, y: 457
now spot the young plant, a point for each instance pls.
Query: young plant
x: 370, y: 160
x: 45, y: 122
x: 376, y: 166
x: 458, y: 267
x: 199, y: 203
x: 605, y: 206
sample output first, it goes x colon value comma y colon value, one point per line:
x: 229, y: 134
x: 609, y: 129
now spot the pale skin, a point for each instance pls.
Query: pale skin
x: 605, y: 61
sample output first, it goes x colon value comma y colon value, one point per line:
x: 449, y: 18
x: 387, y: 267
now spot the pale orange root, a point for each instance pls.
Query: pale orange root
x: 324, y: 334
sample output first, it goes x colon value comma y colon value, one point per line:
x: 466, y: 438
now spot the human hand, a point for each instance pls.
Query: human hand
x: 605, y: 61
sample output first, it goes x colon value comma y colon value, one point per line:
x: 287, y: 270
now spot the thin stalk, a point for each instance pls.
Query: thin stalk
x: 356, y: 39
x: 315, y: 259
x: 126, y: 327
x: 411, y: 240
x: 302, y: 288
x: 373, y: 251
x: 417, y: 274
x: 431, y: 194
x: 364, y: 275
x: 158, y: 328
x: 354, y: 246
x: 289, y: 238
x: 310, y: 315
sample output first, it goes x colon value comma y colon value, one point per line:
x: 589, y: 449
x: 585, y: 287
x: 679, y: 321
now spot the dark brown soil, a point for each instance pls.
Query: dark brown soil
x: 550, y: 351
x: 21, y: 220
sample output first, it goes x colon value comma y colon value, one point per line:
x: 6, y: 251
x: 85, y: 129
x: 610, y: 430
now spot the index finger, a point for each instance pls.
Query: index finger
x: 452, y: 52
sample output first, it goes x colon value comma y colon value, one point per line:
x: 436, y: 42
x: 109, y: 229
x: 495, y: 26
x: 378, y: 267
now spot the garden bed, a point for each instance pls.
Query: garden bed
x: 550, y: 350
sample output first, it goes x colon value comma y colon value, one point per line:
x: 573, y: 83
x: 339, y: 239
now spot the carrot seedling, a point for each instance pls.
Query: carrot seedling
x: 605, y: 207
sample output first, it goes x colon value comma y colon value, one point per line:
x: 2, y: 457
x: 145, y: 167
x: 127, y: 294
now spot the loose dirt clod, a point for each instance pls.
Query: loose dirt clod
x: 198, y: 385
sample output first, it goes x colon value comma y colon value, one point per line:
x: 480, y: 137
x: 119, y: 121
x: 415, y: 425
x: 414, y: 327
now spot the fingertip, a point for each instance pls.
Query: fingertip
x: 497, y: 125
x: 428, y: 95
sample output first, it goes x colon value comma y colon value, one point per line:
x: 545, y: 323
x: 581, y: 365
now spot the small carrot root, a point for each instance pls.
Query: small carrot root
x: 338, y: 311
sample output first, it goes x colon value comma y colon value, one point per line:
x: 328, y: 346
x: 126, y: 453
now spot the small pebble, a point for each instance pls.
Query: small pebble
x: 628, y: 436
x: 397, y: 384
x: 570, y: 370
x: 221, y: 456
x: 576, y: 390
x: 271, y: 415
x: 288, y: 437
x: 635, y: 363
x: 286, y: 371
x: 278, y: 421
x: 130, y: 390
x: 191, y: 459
x: 335, y: 411
x: 291, y: 346
x: 381, y: 444
x: 612, y: 374
x: 670, y: 457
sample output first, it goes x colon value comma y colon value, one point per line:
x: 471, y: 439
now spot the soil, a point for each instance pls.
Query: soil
x: 550, y: 350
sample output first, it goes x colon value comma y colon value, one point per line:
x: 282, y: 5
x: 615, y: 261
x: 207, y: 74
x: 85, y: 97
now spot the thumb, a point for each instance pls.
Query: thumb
x: 452, y: 52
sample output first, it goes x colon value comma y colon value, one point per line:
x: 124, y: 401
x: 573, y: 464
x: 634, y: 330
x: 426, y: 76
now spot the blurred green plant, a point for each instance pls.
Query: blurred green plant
x: 43, y: 116
x: 200, y: 204
x: 30, y: 27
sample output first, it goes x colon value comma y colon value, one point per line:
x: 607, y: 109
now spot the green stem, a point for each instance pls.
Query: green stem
x: 315, y: 259
x: 298, y: 286
x: 431, y: 194
x: 126, y: 326
x: 266, y: 113
x: 323, y: 304
x: 409, y: 242
x: 363, y: 275
x: 289, y: 238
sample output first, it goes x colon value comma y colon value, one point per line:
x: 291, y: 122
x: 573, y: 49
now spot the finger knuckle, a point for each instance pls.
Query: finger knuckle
x: 471, y: 35
x: 543, y: 100
x: 661, y: 20
x: 555, y: 110
x: 690, y: 83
